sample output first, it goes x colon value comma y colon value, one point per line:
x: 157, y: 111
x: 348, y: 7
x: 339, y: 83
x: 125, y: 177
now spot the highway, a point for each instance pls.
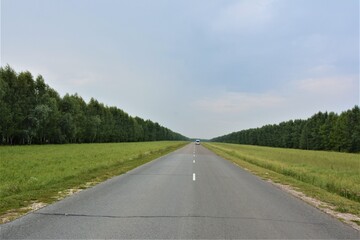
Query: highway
x: 190, y: 193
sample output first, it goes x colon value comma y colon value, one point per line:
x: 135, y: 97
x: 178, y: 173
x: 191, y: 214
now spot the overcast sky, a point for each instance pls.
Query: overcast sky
x: 203, y: 68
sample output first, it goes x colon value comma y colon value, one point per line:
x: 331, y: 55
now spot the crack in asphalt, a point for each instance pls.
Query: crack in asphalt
x: 172, y: 216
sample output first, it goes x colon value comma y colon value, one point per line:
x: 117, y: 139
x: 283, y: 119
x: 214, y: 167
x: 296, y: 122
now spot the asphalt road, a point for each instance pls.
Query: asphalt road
x: 181, y: 195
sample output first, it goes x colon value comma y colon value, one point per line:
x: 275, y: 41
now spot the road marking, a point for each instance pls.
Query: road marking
x: 194, y: 161
x: 194, y: 177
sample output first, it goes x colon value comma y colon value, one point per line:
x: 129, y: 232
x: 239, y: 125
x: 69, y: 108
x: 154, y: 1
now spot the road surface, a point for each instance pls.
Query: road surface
x: 190, y: 193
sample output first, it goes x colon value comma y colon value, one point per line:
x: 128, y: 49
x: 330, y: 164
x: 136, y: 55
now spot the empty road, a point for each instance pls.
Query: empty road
x: 190, y: 193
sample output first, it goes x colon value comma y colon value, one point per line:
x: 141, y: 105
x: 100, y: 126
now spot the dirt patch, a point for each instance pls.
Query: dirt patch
x: 68, y: 192
x: 348, y: 218
x: 63, y: 194
x: 16, y: 213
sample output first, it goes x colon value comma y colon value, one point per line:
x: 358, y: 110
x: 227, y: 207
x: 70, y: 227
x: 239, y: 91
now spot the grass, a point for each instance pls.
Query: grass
x: 328, y: 176
x: 39, y: 173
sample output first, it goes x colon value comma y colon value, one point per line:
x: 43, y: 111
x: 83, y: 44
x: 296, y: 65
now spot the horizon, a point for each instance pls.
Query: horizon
x: 213, y: 68
x: 194, y: 138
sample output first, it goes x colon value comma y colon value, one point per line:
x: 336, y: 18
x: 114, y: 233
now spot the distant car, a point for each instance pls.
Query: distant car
x: 197, y: 142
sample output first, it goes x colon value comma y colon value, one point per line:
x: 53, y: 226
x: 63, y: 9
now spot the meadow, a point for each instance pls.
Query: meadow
x: 38, y: 173
x: 329, y: 176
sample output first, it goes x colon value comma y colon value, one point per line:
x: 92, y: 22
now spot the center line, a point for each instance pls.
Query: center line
x: 194, y: 177
x: 194, y: 161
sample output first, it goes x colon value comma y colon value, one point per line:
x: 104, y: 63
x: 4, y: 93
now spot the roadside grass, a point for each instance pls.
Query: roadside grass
x: 38, y: 173
x: 331, y: 177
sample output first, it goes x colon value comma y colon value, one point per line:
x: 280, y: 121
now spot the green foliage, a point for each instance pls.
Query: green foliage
x: 34, y: 113
x: 323, y: 131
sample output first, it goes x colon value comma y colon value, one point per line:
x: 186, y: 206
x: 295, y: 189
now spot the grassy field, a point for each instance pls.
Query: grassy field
x: 329, y: 176
x: 38, y: 173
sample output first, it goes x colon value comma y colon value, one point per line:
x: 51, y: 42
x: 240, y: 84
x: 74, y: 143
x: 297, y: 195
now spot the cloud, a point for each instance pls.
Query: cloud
x: 307, y: 92
x: 244, y: 15
x: 239, y: 102
x: 322, y: 69
x: 233, y: 111
x: 312, y: 42
x: 327, y: 86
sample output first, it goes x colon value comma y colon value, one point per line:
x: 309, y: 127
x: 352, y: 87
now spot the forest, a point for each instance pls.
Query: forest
x: 34, y: 113
x: 323, y: 131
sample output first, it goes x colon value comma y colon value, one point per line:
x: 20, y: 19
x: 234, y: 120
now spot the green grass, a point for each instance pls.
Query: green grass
x: 329, y: 176
x: 38, y: 173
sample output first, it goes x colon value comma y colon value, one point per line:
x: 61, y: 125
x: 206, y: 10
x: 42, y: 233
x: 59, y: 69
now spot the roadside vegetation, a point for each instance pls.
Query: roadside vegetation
x: 322, y: 131
x: 34, y: 113
x: 38, y: 173
x: 331, y: 177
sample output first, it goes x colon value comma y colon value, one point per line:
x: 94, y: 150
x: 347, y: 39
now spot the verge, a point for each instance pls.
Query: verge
x: 339, y: 207
x: 61, y: 191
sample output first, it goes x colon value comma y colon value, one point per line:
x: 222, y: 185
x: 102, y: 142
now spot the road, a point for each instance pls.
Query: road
x: 190, y: 193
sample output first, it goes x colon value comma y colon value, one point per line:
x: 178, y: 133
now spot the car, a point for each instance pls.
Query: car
x: 197, y: 142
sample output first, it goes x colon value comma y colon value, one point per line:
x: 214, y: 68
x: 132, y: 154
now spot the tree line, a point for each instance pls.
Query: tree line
x: 322, y: 131
x: 31, y: 112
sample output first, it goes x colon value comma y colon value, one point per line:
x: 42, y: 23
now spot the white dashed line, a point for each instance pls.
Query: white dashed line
x: 194, y: 161
x: 194, y: 177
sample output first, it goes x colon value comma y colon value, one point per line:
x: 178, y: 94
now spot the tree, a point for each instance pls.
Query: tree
x: 354, y: 123
x: 322, y: 131
x: 32, y: 112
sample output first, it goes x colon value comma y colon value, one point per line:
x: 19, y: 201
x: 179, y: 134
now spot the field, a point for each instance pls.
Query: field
x: 329, y: 176
x: 38, y: 173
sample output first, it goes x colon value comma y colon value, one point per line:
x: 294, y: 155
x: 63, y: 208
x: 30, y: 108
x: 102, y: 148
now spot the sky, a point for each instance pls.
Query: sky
x: 203, y: 68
